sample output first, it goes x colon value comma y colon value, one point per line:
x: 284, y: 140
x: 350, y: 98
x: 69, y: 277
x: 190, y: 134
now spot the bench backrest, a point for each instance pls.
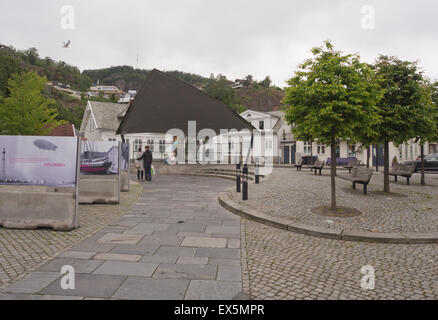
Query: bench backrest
x: 407, y: 169
x: 362, y: 174
x: 354, y: 163
x: 318, y: 164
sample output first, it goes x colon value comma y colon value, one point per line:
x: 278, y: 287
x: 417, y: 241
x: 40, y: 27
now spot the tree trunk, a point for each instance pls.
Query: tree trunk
x: 333, y: 170
x: 423, y: 179
x: 377, y: 157
x: 368, y: 156
x: 311, y: 152
x: 386, y: 167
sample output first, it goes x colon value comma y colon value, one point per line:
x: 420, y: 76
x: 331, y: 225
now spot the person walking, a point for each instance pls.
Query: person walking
x: 139, y: 165
x: 147, y: 163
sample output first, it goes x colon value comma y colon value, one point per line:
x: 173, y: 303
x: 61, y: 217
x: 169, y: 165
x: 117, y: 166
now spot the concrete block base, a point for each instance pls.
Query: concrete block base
x: 99, y: 189
x: 37, y: 207
x: 124, y: 181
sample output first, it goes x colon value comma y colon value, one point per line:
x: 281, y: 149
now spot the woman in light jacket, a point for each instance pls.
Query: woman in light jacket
x: 139, y: 165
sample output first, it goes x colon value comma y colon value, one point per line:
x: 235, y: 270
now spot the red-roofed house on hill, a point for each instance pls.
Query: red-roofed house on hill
x: 64, y: 130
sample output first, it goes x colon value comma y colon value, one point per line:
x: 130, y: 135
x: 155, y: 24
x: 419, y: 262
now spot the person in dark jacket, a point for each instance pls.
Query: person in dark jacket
x: 147, y: 163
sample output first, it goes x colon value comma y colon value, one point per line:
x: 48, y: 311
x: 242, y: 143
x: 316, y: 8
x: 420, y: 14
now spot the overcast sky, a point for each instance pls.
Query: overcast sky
x: 231, y: 37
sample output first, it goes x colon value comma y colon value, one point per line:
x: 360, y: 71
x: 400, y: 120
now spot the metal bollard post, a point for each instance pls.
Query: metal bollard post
x: 238, y: 173
x: 256, y: 173
x: 245, y: 182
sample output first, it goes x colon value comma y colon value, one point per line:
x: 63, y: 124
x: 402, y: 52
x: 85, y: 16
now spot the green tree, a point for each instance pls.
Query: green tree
x: 332, y: 96
x: 266, y: 82
x: 220, y: 89
x: 403, y: 97
x: 26, y: 111
x: 424, y: 122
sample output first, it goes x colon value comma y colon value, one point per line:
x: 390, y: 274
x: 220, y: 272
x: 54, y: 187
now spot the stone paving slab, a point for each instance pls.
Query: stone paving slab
x: 79, y: 265
x: 120, y: 238
x: 88, y: 285
x: 186, y: 271
x: 142, y: 288
x: 127, y: 268
x: 203, y: 242
x: 212, y: 290
x: 33, y: 282
x: 118, y: 257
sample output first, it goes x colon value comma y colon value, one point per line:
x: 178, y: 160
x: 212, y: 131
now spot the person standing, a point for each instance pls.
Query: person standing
x: 139, y: 165
x: 147, y: 163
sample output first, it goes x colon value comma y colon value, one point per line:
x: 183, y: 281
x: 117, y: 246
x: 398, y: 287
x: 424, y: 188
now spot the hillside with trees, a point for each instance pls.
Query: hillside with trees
x: 259, y: 96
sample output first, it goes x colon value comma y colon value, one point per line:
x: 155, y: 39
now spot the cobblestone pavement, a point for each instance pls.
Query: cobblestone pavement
x: 23, y: 250
x: 285, y: 265
x: 290, y: 195
x: 176, y: 242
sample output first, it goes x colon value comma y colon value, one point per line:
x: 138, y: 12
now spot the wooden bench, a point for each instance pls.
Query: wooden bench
x: 318, y: 165
x: 299, y: 165
x: 352, y: 164
x: 360, y: 175
x: 402, y: 170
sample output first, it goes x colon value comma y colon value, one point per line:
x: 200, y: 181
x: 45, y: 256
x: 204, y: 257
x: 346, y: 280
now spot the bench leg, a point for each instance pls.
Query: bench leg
x: 349, y: 170
x: 354, y: 185
x: 320, y: 171
x: 395, y: 178
x: 364, y: 188
x: 407, y: 180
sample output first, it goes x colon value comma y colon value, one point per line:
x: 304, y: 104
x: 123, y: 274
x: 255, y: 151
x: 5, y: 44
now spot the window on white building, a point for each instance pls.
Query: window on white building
x: 351, y: 150
x: 162, y: 146
x: 151, y: 145
x: 321, y: 148
x: 307, y: 147
x: 261, y: 125
x: 137, y: 145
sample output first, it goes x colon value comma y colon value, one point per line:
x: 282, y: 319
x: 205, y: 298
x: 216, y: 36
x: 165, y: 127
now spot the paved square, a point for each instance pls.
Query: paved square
x: 158, y: 250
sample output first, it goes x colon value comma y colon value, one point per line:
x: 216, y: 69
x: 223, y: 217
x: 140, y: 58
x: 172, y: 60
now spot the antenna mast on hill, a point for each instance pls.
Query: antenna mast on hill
x: 3, y: 168
x: 137, y: 62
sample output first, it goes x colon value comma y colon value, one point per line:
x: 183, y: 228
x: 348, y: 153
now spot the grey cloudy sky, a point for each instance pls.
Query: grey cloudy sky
x: 234, y: 38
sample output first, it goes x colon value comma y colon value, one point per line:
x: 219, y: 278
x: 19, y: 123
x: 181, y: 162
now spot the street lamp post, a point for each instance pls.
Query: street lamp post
x: 238, y: 173
x: 257, y: 172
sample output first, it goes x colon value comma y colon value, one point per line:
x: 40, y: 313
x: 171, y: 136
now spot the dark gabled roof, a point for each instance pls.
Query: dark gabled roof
x: 165, y: 103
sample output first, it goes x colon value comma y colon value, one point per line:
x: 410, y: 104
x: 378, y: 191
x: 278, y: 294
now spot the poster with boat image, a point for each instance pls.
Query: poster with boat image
x: 100, y: 157
x: 38, y: 161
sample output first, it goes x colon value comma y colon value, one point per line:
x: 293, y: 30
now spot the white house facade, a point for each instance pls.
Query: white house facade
x: 287, y: 150
x: 101, y: 121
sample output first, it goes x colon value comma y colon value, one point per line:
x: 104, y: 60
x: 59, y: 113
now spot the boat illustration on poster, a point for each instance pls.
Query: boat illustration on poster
x: 95, y: 161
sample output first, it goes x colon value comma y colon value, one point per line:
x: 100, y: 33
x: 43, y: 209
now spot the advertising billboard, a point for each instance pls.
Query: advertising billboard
x: 100, y: 157
x: 124, y: 165
x: 44, y: 161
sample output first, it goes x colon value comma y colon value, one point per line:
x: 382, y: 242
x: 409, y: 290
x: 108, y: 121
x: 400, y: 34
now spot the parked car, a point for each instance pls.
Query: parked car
x: 430, y: 163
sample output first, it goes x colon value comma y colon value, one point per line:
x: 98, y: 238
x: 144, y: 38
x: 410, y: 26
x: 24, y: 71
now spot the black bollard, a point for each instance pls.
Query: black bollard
x: 245, y: 182
x: 256, y: 173
x: 238, y: 173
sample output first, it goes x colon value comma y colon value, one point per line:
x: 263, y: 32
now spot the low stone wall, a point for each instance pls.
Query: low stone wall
x: 124, y: 181
x: 99, y: 189
x: 26, y: 207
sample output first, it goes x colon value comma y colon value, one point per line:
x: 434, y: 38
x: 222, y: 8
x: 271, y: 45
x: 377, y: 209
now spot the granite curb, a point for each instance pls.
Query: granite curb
x: 337, y: 234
